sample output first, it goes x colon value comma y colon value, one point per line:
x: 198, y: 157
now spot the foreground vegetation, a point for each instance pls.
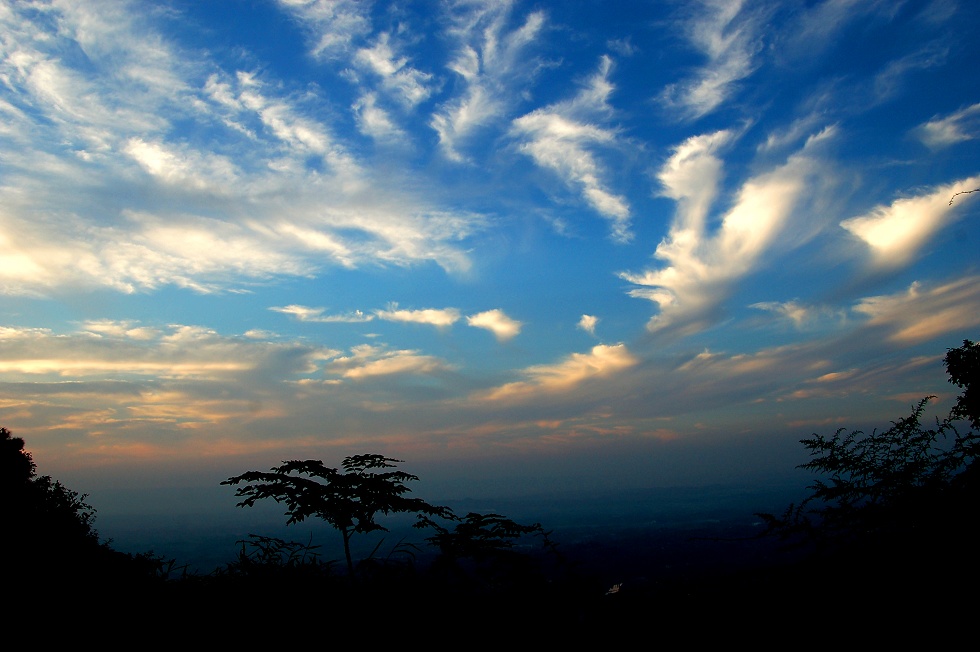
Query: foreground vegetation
x: 888, y: 524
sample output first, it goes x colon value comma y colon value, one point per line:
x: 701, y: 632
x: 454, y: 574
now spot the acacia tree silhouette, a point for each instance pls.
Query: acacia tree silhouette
x: 348, y: 500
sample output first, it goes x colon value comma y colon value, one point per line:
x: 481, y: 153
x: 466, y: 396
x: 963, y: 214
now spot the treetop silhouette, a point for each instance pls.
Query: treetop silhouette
x: 349, y: 500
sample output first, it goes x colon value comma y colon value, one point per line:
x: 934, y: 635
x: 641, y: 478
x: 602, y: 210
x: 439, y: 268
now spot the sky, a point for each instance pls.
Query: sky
x: 517, y: 245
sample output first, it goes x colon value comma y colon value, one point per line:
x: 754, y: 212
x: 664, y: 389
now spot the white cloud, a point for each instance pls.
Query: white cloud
x: 588, y: 323
x: 409, y: 85
x: 564, y: 138
x: 301, y: 135
x: 368, y: 361
x: 730, y: 40
x: 895, y: 233
x: 691, y: 177
x: 136, y: 189
x: 126, y: 329
x: 701, y: 267
x: 955, y: 128
x: 333, y: 25
x: 203, y: 171
x: 495, y: 321
x: 602, y: 361
x: 374, y: 121
x: 490, y: 62
x: 260, y: 334
x: 441, y: 318
x: 307, y: 314
x: 117, y: 350
x: 52, y: 63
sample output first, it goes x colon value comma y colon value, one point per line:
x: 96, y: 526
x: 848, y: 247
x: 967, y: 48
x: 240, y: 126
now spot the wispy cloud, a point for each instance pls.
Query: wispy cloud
x: 88, y: 110
x: 333, y: 26
x: 925, y: 312
x: 138, y: 190
x: 954, y: 128
x: 403, y: 82
x: 189, y: 168
x: 439, y: 317
x: 601, y: 362
x: 895, y: 233
x: 691, y: 177
x: 799, y: 314
x: 376, y: 150
x: 818, y: 27
x: 246, y: 100
x: 490, y: 62
x: 307, y: 314
x: 892, y: 78
x: 121, y: 350
x: 374, y: 121
x: 795, y: 312
x: 564, y: 138
x: 367, y: 361
x: 728, y: 35
x: 125, y: 329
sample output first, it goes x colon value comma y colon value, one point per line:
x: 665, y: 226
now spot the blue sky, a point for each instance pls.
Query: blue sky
x: 514, y: 244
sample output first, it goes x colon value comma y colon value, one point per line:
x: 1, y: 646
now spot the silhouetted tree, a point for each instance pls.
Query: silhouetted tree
x: 963, y: 368
x: 49, y: 538
x: 40, y: 515
x: 895, y: 489
x: 348, y: 500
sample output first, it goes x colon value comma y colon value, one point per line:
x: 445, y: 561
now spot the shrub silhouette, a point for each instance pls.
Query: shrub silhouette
x: 882, y: 499
x: 37, y: 504
x: 963, y: 368
x: 49, y: 535
x: 480, y: 548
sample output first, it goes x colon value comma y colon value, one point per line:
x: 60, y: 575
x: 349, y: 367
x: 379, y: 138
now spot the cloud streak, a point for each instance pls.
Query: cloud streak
x: 601, y: 362
x: 727, y: 35
x: 958, y: 127
x: 438, y: 317
x: 922, y: 313
x: 563, y: 139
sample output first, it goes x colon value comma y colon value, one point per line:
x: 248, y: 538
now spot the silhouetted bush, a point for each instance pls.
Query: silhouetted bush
x: 890, y: 510
x: 49, y: 542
